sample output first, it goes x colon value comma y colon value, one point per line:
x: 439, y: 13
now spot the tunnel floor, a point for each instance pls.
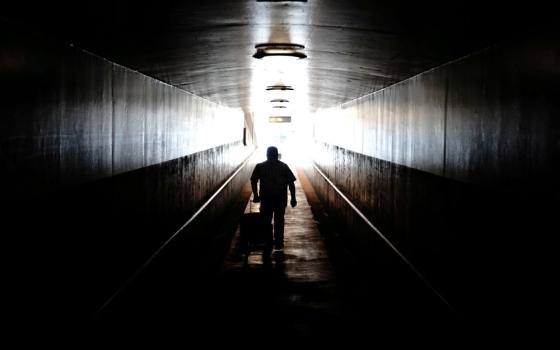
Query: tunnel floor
x: 312, y: 289
x: 292, y: 294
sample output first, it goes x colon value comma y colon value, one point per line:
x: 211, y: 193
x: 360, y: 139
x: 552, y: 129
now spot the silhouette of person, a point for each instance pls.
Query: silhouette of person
x: 274, y: 176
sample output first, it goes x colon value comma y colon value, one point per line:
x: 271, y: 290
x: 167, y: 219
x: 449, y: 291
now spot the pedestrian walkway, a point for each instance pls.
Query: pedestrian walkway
x: 313, y: 289
x: 295, y: 289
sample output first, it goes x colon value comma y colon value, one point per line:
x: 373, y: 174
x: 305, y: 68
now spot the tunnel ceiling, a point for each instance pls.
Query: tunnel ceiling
x: 354, y: 47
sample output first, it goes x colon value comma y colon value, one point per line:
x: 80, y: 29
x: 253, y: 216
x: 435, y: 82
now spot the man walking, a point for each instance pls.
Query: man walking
x: 275, y: 177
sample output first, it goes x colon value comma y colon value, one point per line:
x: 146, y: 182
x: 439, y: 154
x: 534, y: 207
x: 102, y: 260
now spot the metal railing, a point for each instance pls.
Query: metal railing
x: 382, y: 236
x: 187, y: 223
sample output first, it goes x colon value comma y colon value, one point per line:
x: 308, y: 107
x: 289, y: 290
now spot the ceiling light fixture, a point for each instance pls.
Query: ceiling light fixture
x: 279, y: 119
x: 279, y: 49
x: 281, y: 100
x: 279, y: 87
x: 278, y: 106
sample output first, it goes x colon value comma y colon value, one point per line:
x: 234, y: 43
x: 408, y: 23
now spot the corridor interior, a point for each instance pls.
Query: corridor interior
x: 312, y: 289
x: 425, y: 137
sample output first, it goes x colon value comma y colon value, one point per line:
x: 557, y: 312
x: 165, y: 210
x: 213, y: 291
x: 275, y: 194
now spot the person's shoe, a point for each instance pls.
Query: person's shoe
x: 279, y: 246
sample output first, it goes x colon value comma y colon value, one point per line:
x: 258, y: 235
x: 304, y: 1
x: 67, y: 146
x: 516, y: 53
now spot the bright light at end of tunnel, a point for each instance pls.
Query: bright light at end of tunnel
x: 276, y: 71
x: 284, y: 65
x: 293, y: 139
x: 290, y: 138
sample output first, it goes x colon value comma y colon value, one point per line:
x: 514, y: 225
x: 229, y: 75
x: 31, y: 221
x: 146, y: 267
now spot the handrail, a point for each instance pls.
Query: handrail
x: 194, y: 216
x: 406, y: 261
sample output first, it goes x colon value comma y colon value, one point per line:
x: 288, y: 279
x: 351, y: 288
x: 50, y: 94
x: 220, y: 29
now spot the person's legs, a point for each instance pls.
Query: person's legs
x: 279, y: 211
x: 266, y: 210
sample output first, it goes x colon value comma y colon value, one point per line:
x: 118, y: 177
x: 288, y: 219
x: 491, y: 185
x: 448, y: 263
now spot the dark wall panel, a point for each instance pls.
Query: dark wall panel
x: 85, y: 127
x: 130, y: 101
x: 100, y: 166
x: 457, y: 167
x: 56, y: 123
x: 502, y: 126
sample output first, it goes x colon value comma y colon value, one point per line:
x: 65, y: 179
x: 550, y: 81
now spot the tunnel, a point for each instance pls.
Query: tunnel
x: 424, y: 136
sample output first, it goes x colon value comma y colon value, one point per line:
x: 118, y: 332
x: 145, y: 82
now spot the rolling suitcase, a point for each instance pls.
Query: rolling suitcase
x: 255, y: 234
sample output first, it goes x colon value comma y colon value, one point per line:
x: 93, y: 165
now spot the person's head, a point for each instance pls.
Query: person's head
x: 272, y: 153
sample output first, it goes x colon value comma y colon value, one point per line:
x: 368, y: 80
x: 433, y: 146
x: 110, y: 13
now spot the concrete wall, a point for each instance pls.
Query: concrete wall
x: 456, y: 166
x: 100, y: 165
